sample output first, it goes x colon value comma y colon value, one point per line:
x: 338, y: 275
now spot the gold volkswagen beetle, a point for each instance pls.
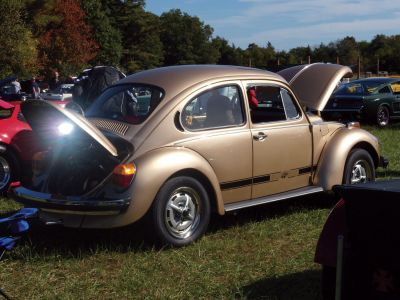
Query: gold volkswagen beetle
x: 178, y: 143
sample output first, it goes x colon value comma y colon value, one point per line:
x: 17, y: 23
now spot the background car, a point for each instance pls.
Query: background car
x: 376, y: 100
x: 369, y: 265
x: 62, y: 95
x: 181, y: 142
x: 17, y: 144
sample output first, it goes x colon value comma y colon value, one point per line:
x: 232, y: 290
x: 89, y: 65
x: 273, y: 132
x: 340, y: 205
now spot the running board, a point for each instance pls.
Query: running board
x: 274, y: 198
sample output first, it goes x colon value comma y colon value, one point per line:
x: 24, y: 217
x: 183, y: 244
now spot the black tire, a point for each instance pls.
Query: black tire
x: 9, y: 171
x: 328, y: 282
x: 382, y: 116
x: 181, y: 211
x: 359, y: 167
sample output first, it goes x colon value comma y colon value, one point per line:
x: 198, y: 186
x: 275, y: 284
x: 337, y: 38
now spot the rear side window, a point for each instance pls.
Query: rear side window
x: 350, y: 89
x: 6, y: 113
x: 131, y: 103
x: 216, y: 108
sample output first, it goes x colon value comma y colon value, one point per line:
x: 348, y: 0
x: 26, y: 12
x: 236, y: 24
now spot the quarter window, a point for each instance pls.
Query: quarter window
x: 131, y: 103
x: 216, y: 108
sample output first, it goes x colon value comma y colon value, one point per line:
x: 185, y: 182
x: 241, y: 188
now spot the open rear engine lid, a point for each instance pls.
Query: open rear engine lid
x: 50, y: 120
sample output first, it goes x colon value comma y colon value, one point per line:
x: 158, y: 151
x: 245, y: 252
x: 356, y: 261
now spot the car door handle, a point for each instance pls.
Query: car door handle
x: 261, y: 136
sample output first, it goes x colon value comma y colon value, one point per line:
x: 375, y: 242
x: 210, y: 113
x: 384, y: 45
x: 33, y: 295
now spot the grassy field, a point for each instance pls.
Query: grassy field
x: 261, y: 253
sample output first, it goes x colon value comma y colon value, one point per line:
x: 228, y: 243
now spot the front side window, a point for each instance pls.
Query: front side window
x: 131, y: 103
x: 216, y: 108
x: 269, y: 103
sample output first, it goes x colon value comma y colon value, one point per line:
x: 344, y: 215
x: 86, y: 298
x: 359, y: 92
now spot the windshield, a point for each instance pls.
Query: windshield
x: 130, y: 103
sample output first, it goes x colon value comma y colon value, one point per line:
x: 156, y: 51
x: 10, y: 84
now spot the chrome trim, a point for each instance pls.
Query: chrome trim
x: 274, y: 198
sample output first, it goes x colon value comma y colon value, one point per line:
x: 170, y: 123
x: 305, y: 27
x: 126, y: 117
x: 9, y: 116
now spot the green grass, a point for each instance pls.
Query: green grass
x: 260, y: 253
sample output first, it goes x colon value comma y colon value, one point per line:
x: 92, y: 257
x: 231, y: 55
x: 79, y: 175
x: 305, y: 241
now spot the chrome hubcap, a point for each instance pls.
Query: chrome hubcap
x: 182, y: 212
x: 361, y: 172
x: 5, y: 172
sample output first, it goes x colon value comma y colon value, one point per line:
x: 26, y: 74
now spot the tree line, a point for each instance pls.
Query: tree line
x: 39, y: 36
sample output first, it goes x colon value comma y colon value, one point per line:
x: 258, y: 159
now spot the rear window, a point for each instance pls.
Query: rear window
x: 130, y: 103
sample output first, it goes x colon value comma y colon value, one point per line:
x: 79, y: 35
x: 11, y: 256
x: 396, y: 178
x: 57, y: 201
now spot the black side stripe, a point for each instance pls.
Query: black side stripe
x: 236, y: 184
x: 261, y: 179
x: 257, y: 180
x: 307, y: 170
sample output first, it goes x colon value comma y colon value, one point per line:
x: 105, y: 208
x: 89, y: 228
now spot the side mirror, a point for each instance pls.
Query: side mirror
x: 75, y: 107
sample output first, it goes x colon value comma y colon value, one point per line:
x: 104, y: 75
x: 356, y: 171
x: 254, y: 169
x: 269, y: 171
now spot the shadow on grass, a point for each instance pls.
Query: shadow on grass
x: 71, y: 242
x: 304, y: 285
x: 271, y: 210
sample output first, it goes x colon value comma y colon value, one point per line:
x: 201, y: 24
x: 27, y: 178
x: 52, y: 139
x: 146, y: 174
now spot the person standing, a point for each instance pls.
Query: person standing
x: 54, y: 81
x: 35, y: 89
x: 15, y: 86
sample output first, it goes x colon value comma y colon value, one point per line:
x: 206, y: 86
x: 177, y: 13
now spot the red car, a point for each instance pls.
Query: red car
x: 17, y: 143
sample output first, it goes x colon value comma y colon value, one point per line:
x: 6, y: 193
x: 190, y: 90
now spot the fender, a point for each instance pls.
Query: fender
x: 329, y: 172
x: 335, y: 224
x: 154, y: 168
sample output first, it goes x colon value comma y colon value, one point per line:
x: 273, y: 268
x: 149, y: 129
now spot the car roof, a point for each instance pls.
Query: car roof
x: 175, y: 79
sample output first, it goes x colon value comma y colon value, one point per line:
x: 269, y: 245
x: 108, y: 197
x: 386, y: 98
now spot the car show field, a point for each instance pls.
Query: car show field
x: 265, y: 252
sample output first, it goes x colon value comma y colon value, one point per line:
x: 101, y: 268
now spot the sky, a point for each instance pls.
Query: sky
x: 289, y: 23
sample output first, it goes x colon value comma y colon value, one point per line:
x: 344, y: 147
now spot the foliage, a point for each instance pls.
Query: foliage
x: 186, y: 39
x: 142, y: 48
x: 73, y: 34
x: 18, y: 52
x: 66, y: 43
x: 107, y: 36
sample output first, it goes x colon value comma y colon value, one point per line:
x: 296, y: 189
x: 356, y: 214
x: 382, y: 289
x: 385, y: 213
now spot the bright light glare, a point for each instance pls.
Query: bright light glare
x: 65, y: 128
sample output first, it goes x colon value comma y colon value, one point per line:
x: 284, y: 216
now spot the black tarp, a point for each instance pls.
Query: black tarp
x: 92, y: 82
x: 371, y: 268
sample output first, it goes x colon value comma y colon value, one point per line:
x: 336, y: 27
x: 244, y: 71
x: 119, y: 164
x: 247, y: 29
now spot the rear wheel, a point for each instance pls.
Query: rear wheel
x: 382, y: 116
x: 181, y: 211
x: 359, y: 167
x: 8, y: 171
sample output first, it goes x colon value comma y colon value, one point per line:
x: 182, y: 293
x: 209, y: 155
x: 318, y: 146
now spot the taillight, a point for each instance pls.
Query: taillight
x: 123, y: 174
x: 353, y: 125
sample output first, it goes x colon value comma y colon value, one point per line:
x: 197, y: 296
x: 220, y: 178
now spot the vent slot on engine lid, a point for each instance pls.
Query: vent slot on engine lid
x: 110, y: 125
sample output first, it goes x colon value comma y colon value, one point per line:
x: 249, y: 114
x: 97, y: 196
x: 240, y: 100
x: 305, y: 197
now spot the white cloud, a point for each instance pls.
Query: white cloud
x: 293, y: 23
x: 327, y: 32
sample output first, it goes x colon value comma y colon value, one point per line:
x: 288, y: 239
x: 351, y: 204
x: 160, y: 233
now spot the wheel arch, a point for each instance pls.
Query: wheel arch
x: 329, y: 172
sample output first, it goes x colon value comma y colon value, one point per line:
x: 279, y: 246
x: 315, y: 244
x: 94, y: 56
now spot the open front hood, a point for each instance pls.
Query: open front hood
x: 315, y: 83
x: 50, y: 120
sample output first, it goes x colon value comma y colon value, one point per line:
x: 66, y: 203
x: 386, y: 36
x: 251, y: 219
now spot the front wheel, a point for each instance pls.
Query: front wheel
x: 181, y: 211
x: 382, y: 116
x: 359, y: 167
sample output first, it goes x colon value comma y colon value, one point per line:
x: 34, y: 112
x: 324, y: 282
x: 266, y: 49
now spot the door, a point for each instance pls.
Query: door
x: 217, y: 129
x: 281, y: 137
